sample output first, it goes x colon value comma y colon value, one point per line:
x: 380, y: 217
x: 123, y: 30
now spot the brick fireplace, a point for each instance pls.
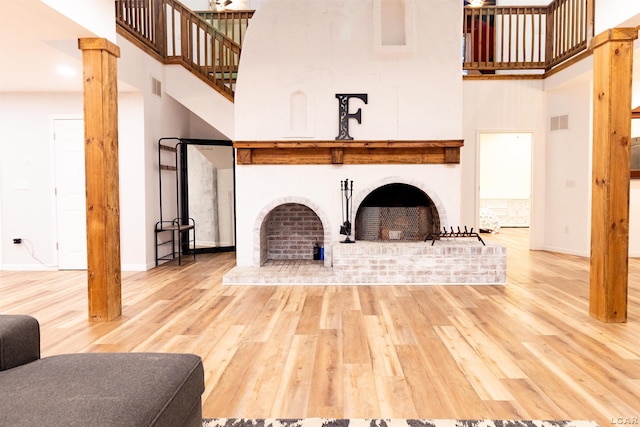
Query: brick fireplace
x: 350, y: 105
x: 394, y: 208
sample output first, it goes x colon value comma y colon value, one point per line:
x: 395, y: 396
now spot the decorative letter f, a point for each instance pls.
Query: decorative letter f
x: 344, y: 115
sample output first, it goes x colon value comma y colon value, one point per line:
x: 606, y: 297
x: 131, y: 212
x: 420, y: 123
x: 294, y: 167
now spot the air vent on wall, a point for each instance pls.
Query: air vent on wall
x: 156, y: 87
x: 560, y: 122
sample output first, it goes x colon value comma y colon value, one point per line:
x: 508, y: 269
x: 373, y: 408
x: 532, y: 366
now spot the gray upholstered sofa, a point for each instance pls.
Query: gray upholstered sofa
x: 93, y: 389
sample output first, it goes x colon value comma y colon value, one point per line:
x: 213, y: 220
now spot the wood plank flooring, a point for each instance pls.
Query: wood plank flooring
x: 526, y: 350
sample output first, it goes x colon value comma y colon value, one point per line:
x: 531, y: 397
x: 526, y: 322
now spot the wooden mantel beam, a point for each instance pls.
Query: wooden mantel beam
x: 99, y: 62
x: 298, y: 152
x: 612, y: 75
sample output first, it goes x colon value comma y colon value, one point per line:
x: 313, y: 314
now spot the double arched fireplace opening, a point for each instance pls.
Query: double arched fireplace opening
x: 393, y: 212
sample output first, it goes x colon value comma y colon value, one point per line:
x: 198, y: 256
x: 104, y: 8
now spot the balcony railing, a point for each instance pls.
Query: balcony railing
x: 175, y: 34
x: 570, y: 27
x: 525, y: 37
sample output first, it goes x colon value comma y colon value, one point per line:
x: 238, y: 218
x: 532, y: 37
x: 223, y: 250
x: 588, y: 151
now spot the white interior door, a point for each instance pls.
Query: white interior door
x: 70, y: 194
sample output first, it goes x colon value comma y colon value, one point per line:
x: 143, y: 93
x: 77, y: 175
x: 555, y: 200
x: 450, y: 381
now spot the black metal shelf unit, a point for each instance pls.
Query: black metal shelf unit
x: 176, y: 237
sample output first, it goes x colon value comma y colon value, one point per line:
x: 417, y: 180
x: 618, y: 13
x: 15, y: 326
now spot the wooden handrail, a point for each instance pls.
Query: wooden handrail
x: 142, y: 19
x: 569, y: 25
x: 525, y: 37
x: 175, y: 34
x: 534, y: 38
x: 232, y: 23
x: 504, y: 37
x: 200, y: 47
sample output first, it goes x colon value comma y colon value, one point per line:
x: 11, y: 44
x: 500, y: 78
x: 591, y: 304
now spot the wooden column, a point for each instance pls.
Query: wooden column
x: 99, y: 57
x: 612, y: 63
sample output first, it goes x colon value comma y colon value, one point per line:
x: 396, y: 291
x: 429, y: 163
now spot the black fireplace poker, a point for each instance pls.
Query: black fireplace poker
x: 346, y: 187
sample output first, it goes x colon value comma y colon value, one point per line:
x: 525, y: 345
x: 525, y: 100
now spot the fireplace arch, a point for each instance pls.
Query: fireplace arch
x: 288, y: 228
x: 397, y: 211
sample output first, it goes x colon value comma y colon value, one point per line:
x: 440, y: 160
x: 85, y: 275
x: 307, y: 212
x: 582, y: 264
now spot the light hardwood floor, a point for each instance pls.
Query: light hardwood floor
x: 526, y: 350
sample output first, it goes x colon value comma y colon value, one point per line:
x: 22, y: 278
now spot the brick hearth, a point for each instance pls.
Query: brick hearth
x: 455, y: 261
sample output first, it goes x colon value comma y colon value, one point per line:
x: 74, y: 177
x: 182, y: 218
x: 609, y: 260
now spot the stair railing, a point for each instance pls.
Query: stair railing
x: 173, y: 33
x: 143, y: 19
x: 232, y: 23
x: 525, y: 37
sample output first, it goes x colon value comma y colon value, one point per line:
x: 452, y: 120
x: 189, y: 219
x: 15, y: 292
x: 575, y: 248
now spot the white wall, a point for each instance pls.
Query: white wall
x: 162, y: 117
x: 199, y: 129
x: 133, y: 228
x: 97, y: 16
x: 616, y: 13
x: 414, y: 92
x: 27, y: 186
x: 26, y: 167
x: 27, y: 196
x: 568, y: 179
x: 504, y: 106
x: 505, y: 166
x: 570, y: 92
x: 200, y: 98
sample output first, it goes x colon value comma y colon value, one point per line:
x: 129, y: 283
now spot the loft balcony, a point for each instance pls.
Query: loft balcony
x: 524, y: 39
x: 496, y: 40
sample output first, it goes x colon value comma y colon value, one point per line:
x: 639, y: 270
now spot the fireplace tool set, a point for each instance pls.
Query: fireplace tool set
x: 346, y: 187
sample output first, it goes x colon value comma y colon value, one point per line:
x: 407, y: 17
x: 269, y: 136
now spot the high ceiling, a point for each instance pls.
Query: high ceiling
x: 38, y: 48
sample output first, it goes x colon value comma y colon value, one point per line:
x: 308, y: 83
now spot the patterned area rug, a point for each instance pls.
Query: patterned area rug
x: 333, y: 422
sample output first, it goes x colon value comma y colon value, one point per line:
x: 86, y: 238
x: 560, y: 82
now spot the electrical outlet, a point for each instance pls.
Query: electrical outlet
x: 17, y: 241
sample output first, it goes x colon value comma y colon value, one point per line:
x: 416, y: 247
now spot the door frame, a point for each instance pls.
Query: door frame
x: 532, y: 159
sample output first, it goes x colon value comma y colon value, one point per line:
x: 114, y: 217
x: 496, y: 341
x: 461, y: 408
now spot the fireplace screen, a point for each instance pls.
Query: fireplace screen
x: 396, y: 212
